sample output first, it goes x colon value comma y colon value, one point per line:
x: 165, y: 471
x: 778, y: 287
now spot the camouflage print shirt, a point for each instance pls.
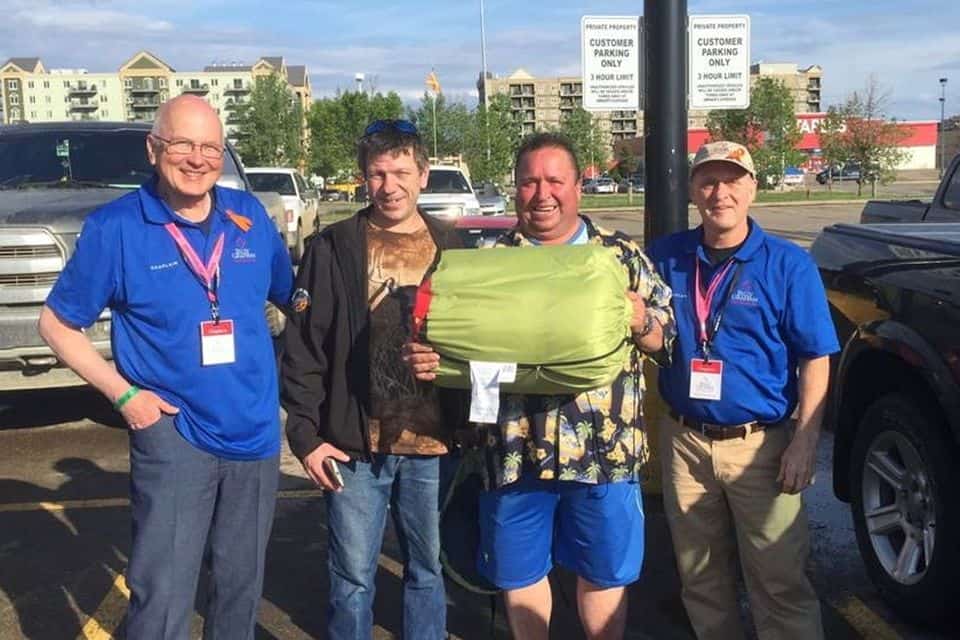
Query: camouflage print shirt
x: 596, y: 436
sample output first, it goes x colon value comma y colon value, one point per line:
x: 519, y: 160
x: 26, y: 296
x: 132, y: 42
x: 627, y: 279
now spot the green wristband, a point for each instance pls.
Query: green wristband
x: 125, y: 398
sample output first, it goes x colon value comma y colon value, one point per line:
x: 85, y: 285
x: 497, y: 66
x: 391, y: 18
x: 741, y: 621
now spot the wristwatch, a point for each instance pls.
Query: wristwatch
x: 647, y: 326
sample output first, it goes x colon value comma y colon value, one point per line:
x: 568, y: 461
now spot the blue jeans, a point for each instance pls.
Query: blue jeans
x: 356, y: 518
x: 179, y: 497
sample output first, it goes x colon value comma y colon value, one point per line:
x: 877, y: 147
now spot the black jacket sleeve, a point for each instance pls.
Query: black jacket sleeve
x: 305, y: 369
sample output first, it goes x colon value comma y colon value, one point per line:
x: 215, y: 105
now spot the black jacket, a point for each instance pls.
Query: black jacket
x: 325, y: 377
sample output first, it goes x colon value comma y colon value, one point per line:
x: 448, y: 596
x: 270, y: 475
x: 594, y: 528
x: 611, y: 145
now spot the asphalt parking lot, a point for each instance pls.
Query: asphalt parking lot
x: 64, y: 528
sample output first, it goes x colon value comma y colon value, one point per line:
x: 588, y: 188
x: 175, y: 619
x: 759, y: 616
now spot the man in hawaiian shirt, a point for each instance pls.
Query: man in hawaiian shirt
x: 565, y: 485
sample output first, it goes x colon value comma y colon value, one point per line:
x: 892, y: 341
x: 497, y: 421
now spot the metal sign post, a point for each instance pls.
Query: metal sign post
x: 665, y: 118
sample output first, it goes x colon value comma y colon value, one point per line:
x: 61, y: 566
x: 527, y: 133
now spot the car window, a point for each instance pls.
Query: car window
x: 302, y: 185
x: 446, y: 181
x: 282, y: 183
x: 112, y: 158
x: 951, y: 195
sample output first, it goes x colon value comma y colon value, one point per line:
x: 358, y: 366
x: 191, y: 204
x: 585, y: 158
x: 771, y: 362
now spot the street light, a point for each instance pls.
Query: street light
x: 943, y: 101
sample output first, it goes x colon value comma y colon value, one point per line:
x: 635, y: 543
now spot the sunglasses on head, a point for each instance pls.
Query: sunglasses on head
x: 402, y: 126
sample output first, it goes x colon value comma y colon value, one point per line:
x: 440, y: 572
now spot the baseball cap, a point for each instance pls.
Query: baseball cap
x: 724, y: 151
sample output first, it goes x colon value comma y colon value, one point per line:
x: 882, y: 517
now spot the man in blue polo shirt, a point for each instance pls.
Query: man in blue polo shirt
x: 754, y: 337
x: 185, y: 267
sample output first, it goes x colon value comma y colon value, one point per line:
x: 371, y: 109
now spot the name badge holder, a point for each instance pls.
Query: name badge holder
x: 706, y: 375
x: 217, y: 343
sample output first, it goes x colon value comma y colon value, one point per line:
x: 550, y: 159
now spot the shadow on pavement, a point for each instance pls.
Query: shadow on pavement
x: 48, y: 407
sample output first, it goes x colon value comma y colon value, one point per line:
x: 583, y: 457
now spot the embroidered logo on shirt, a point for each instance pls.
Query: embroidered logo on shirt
x: 300, y: 300
x: 164, y: 265
x: 241, y: 253
x: 744, y: 295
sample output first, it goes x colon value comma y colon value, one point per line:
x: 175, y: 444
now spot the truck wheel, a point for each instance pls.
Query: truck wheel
x: 904, y: 482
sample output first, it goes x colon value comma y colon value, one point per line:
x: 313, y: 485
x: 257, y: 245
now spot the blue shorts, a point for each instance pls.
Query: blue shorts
x: 594, y: 530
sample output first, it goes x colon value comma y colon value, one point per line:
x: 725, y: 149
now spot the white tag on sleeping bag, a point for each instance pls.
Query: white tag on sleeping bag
x: 485, y: 380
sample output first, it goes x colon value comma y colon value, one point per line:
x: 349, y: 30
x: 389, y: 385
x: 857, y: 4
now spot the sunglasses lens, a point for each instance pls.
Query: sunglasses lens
x: 403, y: 126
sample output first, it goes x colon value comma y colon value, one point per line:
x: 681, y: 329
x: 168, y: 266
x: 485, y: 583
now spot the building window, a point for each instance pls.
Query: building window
x: 30, y: 86
x: 13, y: 85
x: 66, y: 84
x: 50, y: 114
x: 179, y: 82
x: 162, y: 82
x: 46, y: 99
x: 128, y: 83
x: 238, y: 83
x: 33, y: 115
x: 105, y: 114
x: 15, y: 114
x: 15, y: 98
x: 46, y: 84
x: 215, y: 82
x: 103, y: 98
x: 194, y: 84
x: 33, y: 100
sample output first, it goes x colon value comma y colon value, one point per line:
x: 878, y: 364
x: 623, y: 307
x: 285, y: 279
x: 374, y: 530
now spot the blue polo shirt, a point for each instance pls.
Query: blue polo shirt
x: 776, y: 314
x: 126, y: 260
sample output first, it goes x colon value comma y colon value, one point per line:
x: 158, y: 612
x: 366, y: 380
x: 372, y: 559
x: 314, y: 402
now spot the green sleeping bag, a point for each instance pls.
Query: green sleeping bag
x: 559, y: 312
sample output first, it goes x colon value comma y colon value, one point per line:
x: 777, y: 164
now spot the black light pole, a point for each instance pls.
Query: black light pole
x: 943, y: 101
x: 665, y: 117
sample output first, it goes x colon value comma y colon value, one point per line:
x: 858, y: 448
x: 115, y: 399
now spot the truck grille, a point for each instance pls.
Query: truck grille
x: 30, y: 261
x: 28, y: 279
x: 35, y: 251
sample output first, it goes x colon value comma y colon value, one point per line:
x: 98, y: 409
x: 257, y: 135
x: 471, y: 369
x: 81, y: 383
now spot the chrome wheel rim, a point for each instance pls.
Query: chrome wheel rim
x: 899, y: 507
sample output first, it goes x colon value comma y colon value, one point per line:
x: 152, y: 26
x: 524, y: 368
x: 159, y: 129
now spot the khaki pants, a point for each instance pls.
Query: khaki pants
x: 721, y: 496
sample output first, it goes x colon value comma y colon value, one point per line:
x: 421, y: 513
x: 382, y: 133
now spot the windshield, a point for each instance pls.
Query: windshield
x: 100, y: 158
x: 282, y: 183
x: 446, y: 181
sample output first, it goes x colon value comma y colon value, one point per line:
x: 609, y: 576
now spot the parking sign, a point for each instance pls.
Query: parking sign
x: 719, y: 62
x: 610, y: 48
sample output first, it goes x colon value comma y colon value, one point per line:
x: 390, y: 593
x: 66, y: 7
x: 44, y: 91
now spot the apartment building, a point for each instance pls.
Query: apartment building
x: 32, y: 93
x: 541, y: 103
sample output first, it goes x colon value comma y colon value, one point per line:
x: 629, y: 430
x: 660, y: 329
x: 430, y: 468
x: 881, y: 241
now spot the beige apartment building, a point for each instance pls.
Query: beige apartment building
x: 541, y: 103
x: 32, y: 93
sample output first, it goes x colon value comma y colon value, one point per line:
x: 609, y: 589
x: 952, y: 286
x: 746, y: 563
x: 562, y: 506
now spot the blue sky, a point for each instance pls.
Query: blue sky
x: 906, y: 46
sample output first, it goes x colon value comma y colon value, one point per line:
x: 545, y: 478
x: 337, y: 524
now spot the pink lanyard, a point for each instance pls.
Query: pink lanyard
x: 209, y: 273
x: 705, y: 301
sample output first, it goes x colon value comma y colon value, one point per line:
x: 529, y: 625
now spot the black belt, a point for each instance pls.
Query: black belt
x: 722, y: 431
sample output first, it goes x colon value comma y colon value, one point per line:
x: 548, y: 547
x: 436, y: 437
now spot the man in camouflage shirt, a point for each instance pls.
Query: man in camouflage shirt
x: 565, y: 467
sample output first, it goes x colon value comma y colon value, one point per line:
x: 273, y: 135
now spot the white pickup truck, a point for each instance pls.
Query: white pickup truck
x: 448, y: 193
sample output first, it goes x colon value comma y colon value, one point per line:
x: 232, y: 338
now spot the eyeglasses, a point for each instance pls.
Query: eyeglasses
x: 402, y: 126
x: 186, y: 147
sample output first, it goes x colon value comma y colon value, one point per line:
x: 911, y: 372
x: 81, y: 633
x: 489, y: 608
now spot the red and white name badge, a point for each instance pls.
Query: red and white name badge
x: 216, y: 343
x: 706, y: 379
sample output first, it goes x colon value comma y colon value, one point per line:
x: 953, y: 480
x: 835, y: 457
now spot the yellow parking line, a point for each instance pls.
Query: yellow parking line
x: 102, y: 503
x: 863, y: 620
x: 62, y: 505
x: 105, y: 620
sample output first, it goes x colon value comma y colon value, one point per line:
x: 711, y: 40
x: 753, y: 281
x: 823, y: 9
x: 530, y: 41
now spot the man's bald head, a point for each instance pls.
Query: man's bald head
x: 179, y: 148
x: 186, y: 107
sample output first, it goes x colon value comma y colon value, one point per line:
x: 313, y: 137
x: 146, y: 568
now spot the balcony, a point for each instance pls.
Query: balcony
x: 83, y: 90
x: 142, y: 90
x: 200, y: 90
x: 143, y: 104
x: 78, y: 105
x: 238, y: 90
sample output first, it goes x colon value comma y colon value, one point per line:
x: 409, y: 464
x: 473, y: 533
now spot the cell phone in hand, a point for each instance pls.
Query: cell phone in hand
x: 333, y: 471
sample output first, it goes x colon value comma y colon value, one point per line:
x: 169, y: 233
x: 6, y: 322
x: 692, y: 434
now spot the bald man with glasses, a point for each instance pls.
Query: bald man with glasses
x: 195, y: 377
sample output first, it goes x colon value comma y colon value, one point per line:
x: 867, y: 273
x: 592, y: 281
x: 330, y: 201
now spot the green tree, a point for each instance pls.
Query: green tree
x: 492, y: 128
x: 768, y: 128
x: 579, y: 126
x: 866, y: 137
x: 269, y: 129
x: 336, y: 125
x: 833, y: 146
x: 453, y: 123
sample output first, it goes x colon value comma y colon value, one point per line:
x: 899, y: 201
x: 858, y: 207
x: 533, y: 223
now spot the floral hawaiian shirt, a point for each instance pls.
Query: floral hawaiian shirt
x: 596, y: 436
